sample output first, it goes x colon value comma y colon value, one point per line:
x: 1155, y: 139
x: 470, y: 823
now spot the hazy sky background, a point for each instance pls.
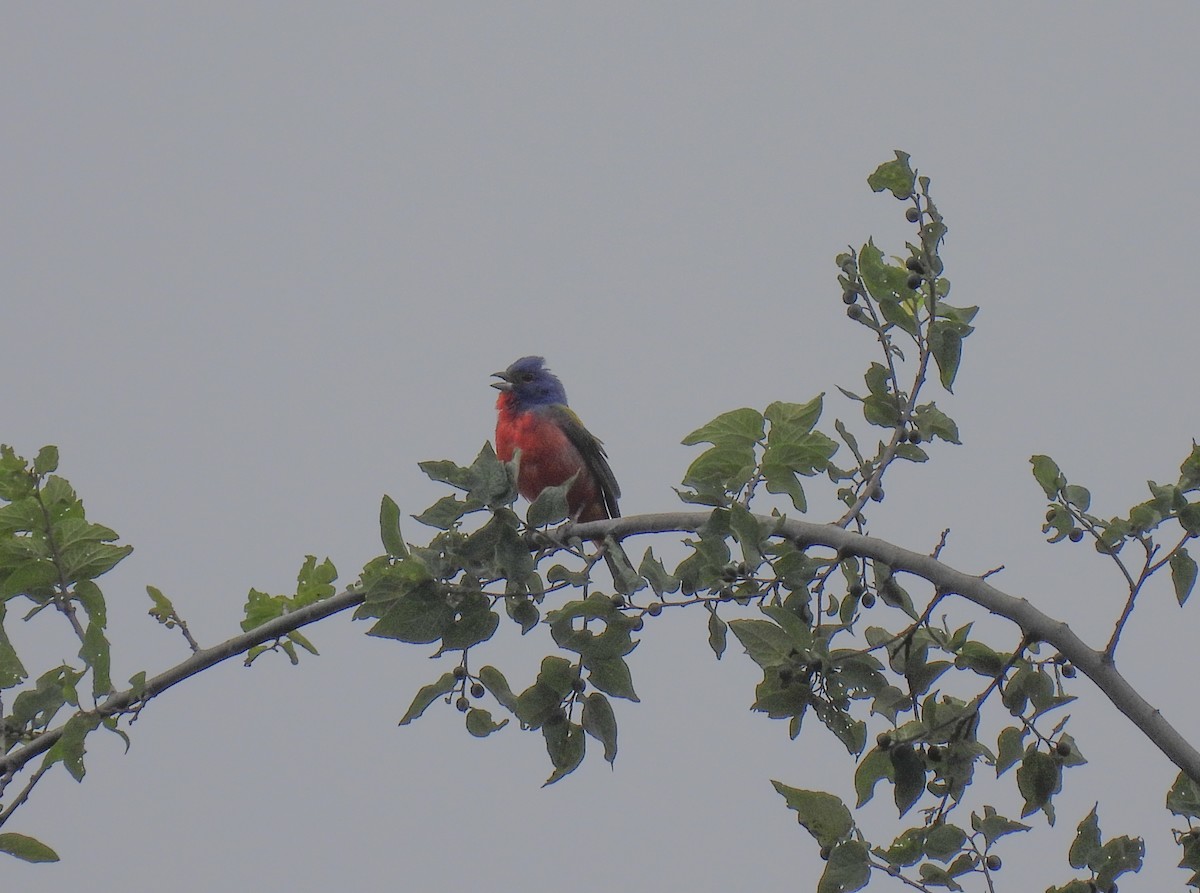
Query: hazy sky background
x: 260, y: 259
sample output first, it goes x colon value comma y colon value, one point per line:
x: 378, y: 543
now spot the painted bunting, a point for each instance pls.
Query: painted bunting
x: 533, y: 417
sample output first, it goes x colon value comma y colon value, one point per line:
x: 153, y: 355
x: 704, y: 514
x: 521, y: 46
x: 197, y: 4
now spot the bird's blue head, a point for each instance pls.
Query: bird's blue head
x: 530, y: 383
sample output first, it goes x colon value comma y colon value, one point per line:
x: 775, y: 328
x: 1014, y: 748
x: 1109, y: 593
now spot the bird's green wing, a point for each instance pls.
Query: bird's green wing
x: 592, y: 451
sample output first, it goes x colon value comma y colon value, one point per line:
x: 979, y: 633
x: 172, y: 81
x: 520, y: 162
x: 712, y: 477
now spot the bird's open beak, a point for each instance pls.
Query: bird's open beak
x: 505, y: 384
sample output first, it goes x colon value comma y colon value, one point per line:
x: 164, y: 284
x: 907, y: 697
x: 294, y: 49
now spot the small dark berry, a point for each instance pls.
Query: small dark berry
x: 578, y: 685
x: 993, y: 862
x: 636, y: 623
x: 854, y: 311
x: 618, y: 601
x: 1063, y: 749
x: 460, y: 672
x: 857, y: 589
x: 463, y: 704
x: 477, y: 690
x: 914, y: 265
x: 654, y: 609
x: 868, y: 600
x: 825, y: 851
x: 934, y: 753
x: 914, y: 281
x: 1068, y: 670
x: 877, y: 493
x: 1076, y: 534
x: 884, y: 740
x: 849, y: 296
x: 914, y: 436
x: 912, y: 215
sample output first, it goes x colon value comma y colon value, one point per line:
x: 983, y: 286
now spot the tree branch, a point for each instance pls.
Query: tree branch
x: 1034, y: 623
x: 1094, y: 664
x: 201, y: 660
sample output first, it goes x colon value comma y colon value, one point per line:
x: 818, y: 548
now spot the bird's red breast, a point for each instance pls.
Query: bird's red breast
x: 548, y: 458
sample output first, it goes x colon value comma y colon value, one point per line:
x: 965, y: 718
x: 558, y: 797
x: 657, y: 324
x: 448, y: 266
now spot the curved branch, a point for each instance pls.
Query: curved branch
x: 201, y: 660
x: 1032, y: 621
x: 1094, y: 664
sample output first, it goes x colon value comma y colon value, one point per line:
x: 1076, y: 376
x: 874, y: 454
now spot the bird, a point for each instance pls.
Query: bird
x: 532, y: 416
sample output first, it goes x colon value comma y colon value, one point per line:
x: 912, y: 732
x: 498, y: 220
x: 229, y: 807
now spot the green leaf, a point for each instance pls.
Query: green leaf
x: 721, y: 468
x: 69, y: 749
x: 88, y: 560
x: 908, y: 770
x: 389, y: 528
x: 600, y: 722
x: 896, y: 177
x: 887, y: 284
x: 717, y: 630
x: 936, y: 876
x: 445, y: 513
x: 1077, y: 496
x: 493, y: 483
x: 1046, y: 473
x: 912, y: 453
x: 1189, y: 518
x: 1184, y: 797
x: 1183, y: 574
x: 427, y: 694
x: 932, y: 423
x: 161, y: 608
x: 1119, y: 855
x: 943, y: 842
x: 446, y: 472
x: 26, y: 848
x: 419, y: 617
x: 1009, y: 748
x: 46, y: 460
x: 522, y: 611
x: 994, y: 826
x: 550, y: 506
x: 35, y: 577
x: 480, y: 723
x: 945, y: 342
x: 656, y: 574
x: 794, y: 418
x: 565, y: 743
x: 475, y: 623
x: 1086, y: 846
x: 736, y: 428
x: 767, y: 644
x: 824, y: 815
x: 12, y: 671
x: 611, y: 675
x: 314, y: 582
x: 874, y: 766
x: 981, y: 659
x: 95, y: 653
x: 1039, y: 778
x: 569, y: 628
x: 493, y: 680
x: 848, y: 868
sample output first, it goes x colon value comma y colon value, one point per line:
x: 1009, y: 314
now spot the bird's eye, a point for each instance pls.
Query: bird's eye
x: 527, y: 377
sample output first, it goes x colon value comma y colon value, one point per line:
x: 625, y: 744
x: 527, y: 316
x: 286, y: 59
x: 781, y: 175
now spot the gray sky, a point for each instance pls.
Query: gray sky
x: 259, y: 260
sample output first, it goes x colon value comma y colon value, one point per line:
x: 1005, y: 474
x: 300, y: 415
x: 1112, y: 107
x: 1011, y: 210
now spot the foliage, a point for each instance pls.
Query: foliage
x: 843, y: 627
